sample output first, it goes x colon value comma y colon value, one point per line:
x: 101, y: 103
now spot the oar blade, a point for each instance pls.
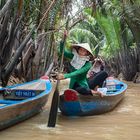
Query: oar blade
x: 54, y: 108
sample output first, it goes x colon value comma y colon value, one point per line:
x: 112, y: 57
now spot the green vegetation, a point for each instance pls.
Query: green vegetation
x: 111, y: 27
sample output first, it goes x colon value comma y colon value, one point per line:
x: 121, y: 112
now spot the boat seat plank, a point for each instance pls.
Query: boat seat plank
x: 32, y: 86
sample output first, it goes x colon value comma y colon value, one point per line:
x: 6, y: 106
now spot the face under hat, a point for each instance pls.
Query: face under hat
x: 83, y: 45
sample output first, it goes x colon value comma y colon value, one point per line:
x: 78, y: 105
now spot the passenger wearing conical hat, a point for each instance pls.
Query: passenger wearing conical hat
x: 80, y: 65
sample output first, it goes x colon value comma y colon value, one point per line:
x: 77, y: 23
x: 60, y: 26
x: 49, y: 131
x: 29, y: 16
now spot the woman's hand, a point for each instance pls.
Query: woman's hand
x: 94, y: 92
x: 60, y: 76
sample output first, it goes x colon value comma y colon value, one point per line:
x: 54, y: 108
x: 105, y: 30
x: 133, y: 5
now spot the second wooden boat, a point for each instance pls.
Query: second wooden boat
x: 21, y: 101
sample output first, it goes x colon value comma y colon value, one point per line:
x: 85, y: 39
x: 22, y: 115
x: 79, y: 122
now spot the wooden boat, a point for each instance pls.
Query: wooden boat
x: 74, y: 104
x: 21, y: 101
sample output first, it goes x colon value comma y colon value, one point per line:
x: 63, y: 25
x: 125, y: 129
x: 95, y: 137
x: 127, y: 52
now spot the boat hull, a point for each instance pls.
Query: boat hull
x: 91, y: 105
x: 15, y: 111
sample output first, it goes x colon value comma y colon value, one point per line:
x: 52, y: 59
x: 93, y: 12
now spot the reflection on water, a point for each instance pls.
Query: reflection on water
x: 122, y: 123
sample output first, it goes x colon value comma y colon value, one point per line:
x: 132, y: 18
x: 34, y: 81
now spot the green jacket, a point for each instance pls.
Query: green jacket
x: 75, y: 75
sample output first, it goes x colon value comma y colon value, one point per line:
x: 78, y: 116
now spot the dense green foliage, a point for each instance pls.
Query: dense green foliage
x: 111, y: 27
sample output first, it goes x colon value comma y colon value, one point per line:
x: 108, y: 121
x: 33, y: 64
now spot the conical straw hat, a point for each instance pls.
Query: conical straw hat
x: 85, y: 46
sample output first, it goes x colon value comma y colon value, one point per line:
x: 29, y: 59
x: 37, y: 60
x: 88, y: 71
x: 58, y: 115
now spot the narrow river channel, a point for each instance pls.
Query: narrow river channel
x: 123, y: 123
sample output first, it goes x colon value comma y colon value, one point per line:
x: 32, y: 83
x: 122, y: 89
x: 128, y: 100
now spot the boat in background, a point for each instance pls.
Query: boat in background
x: 74, y: 104
x: 22, y: 101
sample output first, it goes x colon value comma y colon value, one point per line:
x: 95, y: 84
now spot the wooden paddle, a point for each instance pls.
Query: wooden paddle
x: 55, y: 99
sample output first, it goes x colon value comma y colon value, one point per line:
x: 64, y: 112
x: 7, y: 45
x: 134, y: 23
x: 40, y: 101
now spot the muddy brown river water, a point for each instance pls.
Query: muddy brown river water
x: 123, y: 123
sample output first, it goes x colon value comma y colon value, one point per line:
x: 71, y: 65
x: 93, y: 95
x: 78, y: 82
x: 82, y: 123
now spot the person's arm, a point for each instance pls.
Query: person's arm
x: 79, y: 71
x: 67, y: 54
x: 90, y: 72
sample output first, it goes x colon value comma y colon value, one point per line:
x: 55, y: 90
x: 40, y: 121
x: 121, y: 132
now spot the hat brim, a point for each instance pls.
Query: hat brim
x: 85, y: 46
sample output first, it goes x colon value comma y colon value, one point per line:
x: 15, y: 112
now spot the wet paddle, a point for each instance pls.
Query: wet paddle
x: 55, y: 98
